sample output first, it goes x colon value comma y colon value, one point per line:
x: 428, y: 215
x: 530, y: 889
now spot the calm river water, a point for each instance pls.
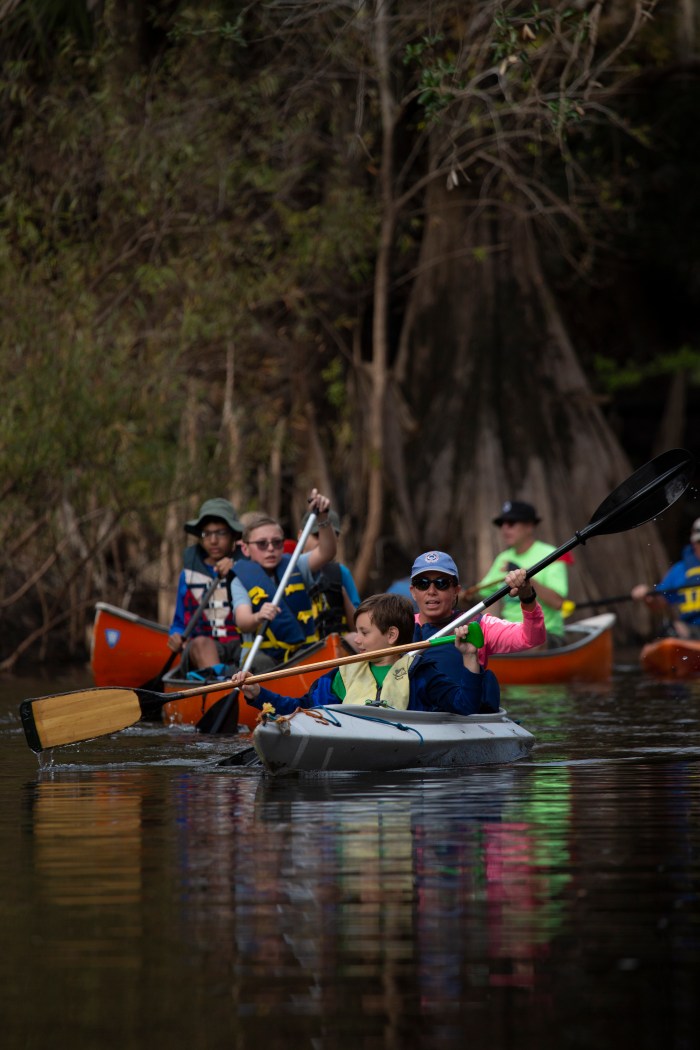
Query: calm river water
x: 151, y: 897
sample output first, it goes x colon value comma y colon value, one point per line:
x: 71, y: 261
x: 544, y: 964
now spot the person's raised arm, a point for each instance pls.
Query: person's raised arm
x: 327, y: 544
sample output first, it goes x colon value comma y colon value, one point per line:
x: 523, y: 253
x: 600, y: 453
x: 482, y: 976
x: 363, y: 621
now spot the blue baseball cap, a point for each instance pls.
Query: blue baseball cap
x: 434, y: 561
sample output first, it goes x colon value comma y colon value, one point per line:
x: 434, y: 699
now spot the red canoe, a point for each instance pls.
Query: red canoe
x: 671, y: 658
x: 587, y: 657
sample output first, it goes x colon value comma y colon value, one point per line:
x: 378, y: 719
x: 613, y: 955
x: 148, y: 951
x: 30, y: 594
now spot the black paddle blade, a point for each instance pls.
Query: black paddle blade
x: 247, y: 757
x: 221, y: 717
x: 152, y: 703
x: 645, y: 494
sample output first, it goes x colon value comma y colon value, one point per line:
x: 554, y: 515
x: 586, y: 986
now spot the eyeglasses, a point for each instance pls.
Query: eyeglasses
x: 216, y: 534
x: 442, y: 583
x: 262, y: 545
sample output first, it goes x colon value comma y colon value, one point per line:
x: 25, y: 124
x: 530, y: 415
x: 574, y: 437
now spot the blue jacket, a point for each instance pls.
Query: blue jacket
x: 447, y: 658
x: 430, y: 690
x: 686, y: 574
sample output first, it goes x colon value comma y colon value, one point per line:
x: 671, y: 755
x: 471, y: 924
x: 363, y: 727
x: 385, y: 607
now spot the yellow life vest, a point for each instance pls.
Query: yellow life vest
x: 361, y: 686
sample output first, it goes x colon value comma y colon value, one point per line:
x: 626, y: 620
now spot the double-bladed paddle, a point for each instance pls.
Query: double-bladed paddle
x: 643, y: 496
x: 71, y: 717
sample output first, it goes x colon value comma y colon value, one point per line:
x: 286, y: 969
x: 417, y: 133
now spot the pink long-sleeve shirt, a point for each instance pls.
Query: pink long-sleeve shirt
x: 501, y: 636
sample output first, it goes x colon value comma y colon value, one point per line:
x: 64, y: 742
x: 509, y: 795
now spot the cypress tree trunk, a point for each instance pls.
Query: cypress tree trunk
x: 503, y: 408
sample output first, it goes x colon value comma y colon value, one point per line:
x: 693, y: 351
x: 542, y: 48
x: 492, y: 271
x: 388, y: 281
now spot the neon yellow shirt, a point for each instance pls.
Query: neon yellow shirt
x: 554, y: 576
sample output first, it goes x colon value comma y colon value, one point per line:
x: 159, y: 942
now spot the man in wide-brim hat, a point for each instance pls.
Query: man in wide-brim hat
x: 517, y: 521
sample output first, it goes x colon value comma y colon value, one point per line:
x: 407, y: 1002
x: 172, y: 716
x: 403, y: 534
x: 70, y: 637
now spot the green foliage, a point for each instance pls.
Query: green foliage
x: 614, y: 376
x: 82, y: 422
x: 208, y: 22
x: 336, y: 388
x: 38, y: 28
x: 438, y: 82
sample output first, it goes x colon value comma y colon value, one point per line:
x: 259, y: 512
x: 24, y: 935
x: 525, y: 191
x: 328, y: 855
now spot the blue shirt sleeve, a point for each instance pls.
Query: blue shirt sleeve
x: 349, y: 585
x: 178, y: 624
x: 320, y: 693
x: 304, y: 570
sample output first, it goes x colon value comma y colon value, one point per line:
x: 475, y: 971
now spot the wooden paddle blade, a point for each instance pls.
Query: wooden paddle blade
x: 643, y: 495
x: 67, y: 718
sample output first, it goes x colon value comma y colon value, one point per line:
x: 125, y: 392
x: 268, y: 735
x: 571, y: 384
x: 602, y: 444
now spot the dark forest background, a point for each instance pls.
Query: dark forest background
x: 423, y: 255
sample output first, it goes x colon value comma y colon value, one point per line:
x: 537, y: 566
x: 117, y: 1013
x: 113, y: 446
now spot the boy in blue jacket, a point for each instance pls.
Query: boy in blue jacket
x: 403, y: 682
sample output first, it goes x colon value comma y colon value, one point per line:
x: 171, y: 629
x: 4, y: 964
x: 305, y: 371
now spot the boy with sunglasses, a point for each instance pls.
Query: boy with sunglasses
x: 291, y: 625
x: 435, y: 589
x: 403, y: 681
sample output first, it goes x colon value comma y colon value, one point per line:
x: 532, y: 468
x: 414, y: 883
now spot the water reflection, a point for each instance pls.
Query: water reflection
x: 552, y: 903
x: 362, y: 897
x: 87, y: 840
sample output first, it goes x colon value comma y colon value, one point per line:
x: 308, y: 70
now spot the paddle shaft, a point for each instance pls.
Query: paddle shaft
x: 476, y: 610
x: 320, y: 665
x: 653, y: 593
x: 217, y: 719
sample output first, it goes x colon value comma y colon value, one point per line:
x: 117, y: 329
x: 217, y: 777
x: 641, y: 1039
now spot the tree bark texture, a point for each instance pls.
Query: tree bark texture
x: 503, y: 408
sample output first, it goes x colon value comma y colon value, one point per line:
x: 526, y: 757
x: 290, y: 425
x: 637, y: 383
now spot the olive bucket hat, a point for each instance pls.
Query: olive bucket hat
x: 217, y: 508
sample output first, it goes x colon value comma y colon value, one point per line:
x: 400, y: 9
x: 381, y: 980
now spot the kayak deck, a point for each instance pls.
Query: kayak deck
x: 344, y: 737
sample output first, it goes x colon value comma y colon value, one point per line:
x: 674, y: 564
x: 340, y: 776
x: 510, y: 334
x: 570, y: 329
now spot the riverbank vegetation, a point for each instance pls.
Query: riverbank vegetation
x: 423, y: 256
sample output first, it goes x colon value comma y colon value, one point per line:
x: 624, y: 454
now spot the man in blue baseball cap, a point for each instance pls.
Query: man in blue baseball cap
x: 435, y: 589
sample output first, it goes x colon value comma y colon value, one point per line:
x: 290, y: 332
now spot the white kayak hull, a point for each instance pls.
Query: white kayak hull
x: 343, y: 737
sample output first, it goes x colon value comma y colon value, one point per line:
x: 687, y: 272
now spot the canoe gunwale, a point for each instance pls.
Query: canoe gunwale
x: 172, y: 682
x: 589, y: 630
x: 126, y: 614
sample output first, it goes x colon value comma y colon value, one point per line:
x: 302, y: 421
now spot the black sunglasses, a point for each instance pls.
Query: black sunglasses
x: 442, y: 583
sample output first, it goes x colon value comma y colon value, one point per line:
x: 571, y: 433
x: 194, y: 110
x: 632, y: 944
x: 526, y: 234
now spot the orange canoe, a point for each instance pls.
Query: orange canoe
x: 126, y: 649
x: 190, y: 710
x: 129, y: 650
x: 587, y: 657
x: 671, y: 658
